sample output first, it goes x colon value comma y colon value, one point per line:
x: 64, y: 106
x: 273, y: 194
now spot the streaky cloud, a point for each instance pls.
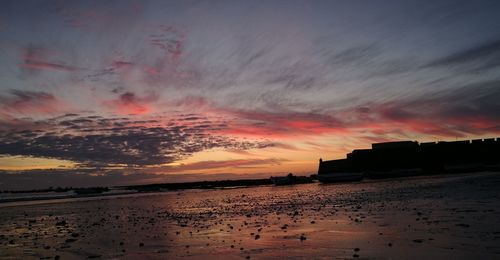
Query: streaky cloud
x: 30, y: 102
x: 485, y: 56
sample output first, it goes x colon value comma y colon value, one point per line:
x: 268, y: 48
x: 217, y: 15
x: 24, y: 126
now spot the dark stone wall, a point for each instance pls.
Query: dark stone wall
x: 429, y: 157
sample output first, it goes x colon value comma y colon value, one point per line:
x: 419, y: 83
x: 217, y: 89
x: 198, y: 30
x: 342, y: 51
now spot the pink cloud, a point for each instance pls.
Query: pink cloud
x: 42, y: 65
x: 384, y: 121
x: 427, y: 118
x: 35, y: 58
x: 381, y: 123
x: 170, y: 39
x: 264, y: 124
x: 122, y: 64
x: 282, y: 124
x: 31, y: 102
x: 129, y: 103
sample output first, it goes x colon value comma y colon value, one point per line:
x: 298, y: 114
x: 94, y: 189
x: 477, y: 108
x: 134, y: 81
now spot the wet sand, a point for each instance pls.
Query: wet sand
x: 454, y: 216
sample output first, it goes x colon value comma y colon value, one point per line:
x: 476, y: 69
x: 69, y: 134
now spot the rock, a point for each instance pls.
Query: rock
x: 61, y: 223
x: 463, y: 225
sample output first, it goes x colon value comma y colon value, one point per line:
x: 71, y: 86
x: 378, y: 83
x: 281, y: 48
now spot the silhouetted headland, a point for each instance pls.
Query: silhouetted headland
x: 408, y: 158
x: 290, y: 179
x: 199, y: 185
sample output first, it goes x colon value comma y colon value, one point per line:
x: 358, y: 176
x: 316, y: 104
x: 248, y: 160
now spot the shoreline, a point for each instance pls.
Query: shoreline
x: 4, y: 203
x: 442, y: 216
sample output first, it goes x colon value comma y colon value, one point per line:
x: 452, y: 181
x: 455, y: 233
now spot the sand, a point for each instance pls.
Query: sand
x: 452, y: 217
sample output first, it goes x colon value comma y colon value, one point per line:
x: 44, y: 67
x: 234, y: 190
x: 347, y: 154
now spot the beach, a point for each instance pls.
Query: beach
x: 443, y: 217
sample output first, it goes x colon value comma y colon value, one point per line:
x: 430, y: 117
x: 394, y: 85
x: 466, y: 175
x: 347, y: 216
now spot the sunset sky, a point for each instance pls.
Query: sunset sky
x: 123, y: 92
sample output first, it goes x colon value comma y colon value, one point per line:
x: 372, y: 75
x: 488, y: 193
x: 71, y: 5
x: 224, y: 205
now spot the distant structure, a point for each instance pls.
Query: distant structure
x: 411, y: 156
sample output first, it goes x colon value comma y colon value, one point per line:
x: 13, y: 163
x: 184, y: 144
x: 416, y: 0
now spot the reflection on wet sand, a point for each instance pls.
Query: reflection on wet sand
x: 440, y: 217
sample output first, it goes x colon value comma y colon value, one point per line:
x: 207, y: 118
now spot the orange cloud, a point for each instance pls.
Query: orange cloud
x: 226, y: 164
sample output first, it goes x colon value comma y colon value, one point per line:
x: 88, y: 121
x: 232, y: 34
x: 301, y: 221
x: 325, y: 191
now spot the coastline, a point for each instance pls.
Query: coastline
x: 444, y: 216
x: 130, y: 192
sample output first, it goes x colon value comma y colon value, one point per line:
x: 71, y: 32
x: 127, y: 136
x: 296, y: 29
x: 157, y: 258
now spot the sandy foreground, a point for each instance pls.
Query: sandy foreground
x: 440, y: 217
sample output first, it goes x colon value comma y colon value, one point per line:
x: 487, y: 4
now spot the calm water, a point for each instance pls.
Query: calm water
x: 440, y: 217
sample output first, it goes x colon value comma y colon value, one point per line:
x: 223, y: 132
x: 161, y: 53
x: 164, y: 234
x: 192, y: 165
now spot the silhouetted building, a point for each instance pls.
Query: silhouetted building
x: 425, y: 157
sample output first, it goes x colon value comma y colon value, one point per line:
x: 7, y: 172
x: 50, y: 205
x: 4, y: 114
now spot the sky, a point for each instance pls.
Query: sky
x: 98, y: 93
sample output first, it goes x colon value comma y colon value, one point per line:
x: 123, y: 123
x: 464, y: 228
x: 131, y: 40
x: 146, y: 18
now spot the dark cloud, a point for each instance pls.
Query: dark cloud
x: 37, y: 102
x: 130, y: 103
x: 473, y: 100
x: 472, y: 109
x: 43, y: 65
x: 293, y: 80
x: 20, y: 96
x: 369, y: 59
x: 36, y: 58
x: 102, y: 142
x: 358, y: 55
x: 485, y: 56
x: 122, y: 64
x: 92, y: 15
x: 170, y: 39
